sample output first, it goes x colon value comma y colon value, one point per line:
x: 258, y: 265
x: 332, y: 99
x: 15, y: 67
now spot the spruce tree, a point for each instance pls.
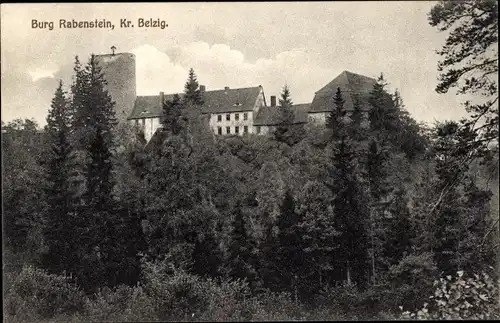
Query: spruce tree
x: 240, y: 258
x: 171, y: 114
x: 400, y: 231
x: 335, y: 119
x: 350, y: 211
x: 192, y: 93
x: 383, y: 113
x: 97, y: 223
x: 289, y: 253
x: 284, y: 117
x: 59, y: 218
x: 379, y: 190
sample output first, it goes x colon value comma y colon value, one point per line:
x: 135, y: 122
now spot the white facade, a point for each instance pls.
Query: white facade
x: 317, y: 117
x: 320, y: 118
x: 147, y: 125
x: 232, y: 123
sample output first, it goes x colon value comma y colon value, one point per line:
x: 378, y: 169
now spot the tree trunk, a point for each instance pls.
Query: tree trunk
x: 348, y: 274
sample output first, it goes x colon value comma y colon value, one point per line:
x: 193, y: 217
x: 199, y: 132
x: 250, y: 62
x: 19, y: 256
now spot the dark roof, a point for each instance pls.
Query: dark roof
x: 231, y: 100
x: 218, y: 101
x: 267, y: 117
x: 353, y: 87
x: 148, y: 106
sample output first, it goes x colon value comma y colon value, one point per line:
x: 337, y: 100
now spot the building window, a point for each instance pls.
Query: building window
x: 258, y: 129
x: 245, y: 129
x: 219, y: 130
x: 245, y: 116
x: 136, y: 122
x: 228, y: 129
x: 143, y: 122
x: 237, y: 116
x: 219, y: 118
x: 236, y: 130
x: 228, y: 117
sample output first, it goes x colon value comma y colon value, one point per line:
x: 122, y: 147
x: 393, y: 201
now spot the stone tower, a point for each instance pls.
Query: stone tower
x: 119, y: 72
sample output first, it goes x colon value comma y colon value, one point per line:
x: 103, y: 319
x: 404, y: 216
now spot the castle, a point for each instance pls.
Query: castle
x: 229, y: 111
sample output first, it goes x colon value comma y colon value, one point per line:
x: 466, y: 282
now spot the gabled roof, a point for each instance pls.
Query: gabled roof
x: 231, y: 100
x: 218, y: 101
x: 148, y: 106
x: 267, y: 115
x: 353, y: 86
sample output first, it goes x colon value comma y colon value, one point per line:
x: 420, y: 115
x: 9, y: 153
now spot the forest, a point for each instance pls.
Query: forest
x: 377, y: 218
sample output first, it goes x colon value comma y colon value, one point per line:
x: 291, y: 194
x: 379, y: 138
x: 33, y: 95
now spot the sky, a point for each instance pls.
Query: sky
x: 304, y: 45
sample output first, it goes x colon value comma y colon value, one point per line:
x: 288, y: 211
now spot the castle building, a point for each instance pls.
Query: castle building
x: 241, y: 111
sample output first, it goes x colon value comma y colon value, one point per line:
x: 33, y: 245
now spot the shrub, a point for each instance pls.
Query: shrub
x: 460, y: 297
x: 35, y: 294
x: 407, y: 284
x: 122, y: 303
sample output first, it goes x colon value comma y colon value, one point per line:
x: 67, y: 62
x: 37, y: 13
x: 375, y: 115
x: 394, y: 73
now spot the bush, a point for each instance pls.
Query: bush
x: 122, y: 303
x: 407, y: 284
x: 35, y: 294
x: 471, y: 298
x: 346, y: 301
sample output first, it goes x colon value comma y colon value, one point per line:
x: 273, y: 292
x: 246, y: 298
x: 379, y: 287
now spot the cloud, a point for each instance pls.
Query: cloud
x: 156, y: 72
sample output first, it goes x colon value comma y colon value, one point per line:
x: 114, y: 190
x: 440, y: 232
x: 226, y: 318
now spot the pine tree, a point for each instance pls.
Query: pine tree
x: 192, y: 93
x: 171, y: 113
x: 459, y: 217
x: 60, y: 201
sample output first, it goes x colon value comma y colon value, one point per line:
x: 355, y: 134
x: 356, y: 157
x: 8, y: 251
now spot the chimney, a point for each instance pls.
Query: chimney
x: 162, y: 98
x: 226, y: 88
x: 273, y: 100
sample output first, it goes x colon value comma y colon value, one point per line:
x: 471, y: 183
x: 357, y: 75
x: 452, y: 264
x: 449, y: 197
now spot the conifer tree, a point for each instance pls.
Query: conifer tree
x: 289, y: 254
x: 192, y: 93
x: 96, y: 229
x: 349, y: 209
x: 383, y: 113
x: 400, y: 231
x: 241, y: 249
x: 284, y: 117
x: 459, y: 218
x: 379, y: 190
x: 335, y: 119
x: 59, y: 218
x: 171, y: 113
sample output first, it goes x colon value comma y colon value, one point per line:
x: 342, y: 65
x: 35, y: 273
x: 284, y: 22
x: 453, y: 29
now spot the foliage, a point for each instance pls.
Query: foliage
x: 461, y: 297
x: 59, y: 220
x: 36, y: 294
x: 192, y: 93
x: 470, y: 61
